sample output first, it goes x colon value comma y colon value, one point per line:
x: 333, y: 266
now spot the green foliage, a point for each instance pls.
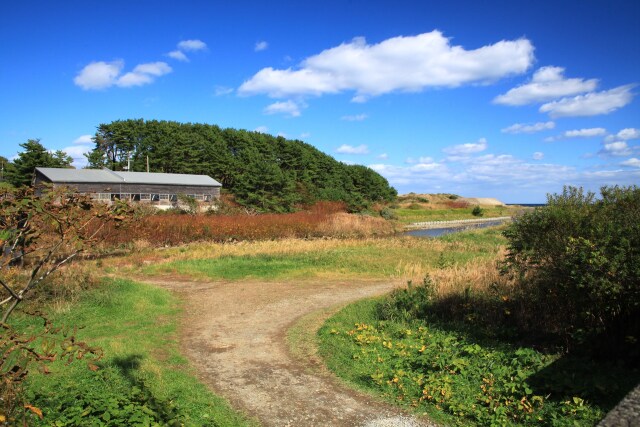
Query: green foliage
x: 36, y: 346
x: 578, y: 260
x: 393, y: 346
x: 477, y: 211
x: 142, y: 379
x: 133, y: 406
x: 265, y: 173
x: 388, y: 214
x: 20, y: 173
x: 188, y: 203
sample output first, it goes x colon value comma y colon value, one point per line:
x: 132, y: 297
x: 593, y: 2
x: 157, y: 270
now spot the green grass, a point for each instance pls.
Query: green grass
x: 142, y: 373
x: 367, y: 259
x: 406, y: 215
x: 458, y: 379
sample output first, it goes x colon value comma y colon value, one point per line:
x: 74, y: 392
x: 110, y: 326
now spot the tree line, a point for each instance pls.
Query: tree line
x: 263, y: 172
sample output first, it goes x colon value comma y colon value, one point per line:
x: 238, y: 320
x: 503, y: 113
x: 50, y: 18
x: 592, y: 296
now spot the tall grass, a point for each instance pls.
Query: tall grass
x: 175, y: 229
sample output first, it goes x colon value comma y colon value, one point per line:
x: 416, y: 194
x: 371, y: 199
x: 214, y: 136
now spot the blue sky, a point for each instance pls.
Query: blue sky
x: 508, y: 99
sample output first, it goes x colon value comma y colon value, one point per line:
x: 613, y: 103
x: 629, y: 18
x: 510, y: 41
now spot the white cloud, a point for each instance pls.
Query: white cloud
x: 349, y: 149
x: 144, y: 74
x: 222, y: 90
x: 355, y: 118
x: 98, y: 75
x: 625, y: 135
x: 101, y: 75
x: 81, y: 145
x: 261, y: 45
x: 288, y: 108
x: 538, y: 155
x: 408, y: 64
x: 178, y: 55
x: 633, y: 162
x: 261, y: 129
x: 83, y: 139
x: 529, y: 128
x: 153, y: 68
x: 547, y: 83
x: 305, y: 135
x: 591, y: 104
x: 584, y: 133
x: 466, y: 149
x: 617, y: 149
x: 383, y: 156
x: 192, y: 45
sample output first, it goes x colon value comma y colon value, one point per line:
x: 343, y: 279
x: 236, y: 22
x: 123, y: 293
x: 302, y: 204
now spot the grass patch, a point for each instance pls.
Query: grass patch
x: 396, y: 257
x: 459, y: 377
x: 418, y: 213
x: 142, y: 378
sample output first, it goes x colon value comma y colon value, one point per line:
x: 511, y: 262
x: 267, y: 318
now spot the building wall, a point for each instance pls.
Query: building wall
x: 118, y: 189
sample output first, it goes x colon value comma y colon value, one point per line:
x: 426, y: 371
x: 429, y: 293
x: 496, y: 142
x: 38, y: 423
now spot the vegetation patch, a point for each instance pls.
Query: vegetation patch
x: 400, y: 258
x: 142, y: 379
x: 552, y: 341
x: 459, y: 377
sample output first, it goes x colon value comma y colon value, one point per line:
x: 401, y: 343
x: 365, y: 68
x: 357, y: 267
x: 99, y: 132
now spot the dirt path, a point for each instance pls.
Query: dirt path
x: 235, y: 335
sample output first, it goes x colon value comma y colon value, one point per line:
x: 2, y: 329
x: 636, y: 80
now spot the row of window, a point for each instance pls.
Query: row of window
x: 148, y: 197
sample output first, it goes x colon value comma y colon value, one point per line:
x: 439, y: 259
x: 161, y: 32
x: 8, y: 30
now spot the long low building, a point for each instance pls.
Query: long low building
x: 107, y: 185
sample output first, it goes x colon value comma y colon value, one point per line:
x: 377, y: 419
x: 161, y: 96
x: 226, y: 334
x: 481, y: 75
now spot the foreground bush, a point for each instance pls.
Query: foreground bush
x: 578, y: 261
x: 394, y: 346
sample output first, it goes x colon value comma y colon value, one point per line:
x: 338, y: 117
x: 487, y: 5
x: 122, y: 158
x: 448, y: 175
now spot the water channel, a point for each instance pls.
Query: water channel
x: 437, y: 232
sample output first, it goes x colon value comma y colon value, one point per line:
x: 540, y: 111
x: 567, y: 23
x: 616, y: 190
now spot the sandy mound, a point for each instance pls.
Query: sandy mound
x: 483, y: 201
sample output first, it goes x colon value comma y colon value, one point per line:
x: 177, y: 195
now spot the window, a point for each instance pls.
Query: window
x: 145, y: 196
x: 164, y: 197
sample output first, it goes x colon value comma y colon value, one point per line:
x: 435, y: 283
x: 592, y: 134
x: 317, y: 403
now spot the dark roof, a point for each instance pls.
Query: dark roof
x: 59, y: 175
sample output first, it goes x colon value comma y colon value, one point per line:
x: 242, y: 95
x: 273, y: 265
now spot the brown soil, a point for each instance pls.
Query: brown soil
x: 235, y: 334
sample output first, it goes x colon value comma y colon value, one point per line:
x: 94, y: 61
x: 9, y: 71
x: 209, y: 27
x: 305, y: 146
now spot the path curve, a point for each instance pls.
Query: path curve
x: 235, y: 336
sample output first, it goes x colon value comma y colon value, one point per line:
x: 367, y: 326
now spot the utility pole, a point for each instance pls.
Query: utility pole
x: 147, y: 163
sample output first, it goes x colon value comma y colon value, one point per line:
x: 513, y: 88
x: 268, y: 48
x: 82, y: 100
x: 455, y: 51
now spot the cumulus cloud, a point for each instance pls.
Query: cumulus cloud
x: 354, y: 118
x: 383, y: 156
x: 192, y: 45
x: 529, y: 128
x: 585, y: 133
x: 261, y: 45
x: 178, y: 55
x: 591, y: 104
x: 143, y: 74
x: 349, y: 149
x: 101, y: 75
x: 538, y: 155
x: 625, y: 135
x: 98, y: 75
x: 617, y: 149
x: 304, y: 135
x: 261, y: 129
x: 407, y: 64
x: 547, y: 83
x: 466, y: 149
x: 288, y: 108
x: 633, y: 162
x: 83, y: 139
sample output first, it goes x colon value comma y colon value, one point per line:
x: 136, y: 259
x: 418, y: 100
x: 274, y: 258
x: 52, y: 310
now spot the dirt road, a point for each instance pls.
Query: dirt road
x: 235, y: 336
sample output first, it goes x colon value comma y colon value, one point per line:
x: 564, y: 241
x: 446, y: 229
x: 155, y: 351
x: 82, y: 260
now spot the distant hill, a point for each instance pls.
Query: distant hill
x: 446, y: 200
x: 268, y: 173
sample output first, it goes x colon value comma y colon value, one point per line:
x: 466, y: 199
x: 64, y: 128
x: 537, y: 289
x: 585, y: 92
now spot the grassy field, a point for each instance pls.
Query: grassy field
x: 142, y: 379
x: 403, y: 258
x: 458, y: 377
x: 420, y: 213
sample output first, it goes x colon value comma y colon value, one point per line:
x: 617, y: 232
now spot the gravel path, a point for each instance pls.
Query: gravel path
x: 235, y: 336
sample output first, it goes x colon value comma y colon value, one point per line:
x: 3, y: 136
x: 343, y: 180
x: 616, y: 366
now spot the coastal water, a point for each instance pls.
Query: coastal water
x: 437, y: 232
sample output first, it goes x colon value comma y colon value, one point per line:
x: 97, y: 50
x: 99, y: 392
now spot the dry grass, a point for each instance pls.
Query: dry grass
x: 347, y: 225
